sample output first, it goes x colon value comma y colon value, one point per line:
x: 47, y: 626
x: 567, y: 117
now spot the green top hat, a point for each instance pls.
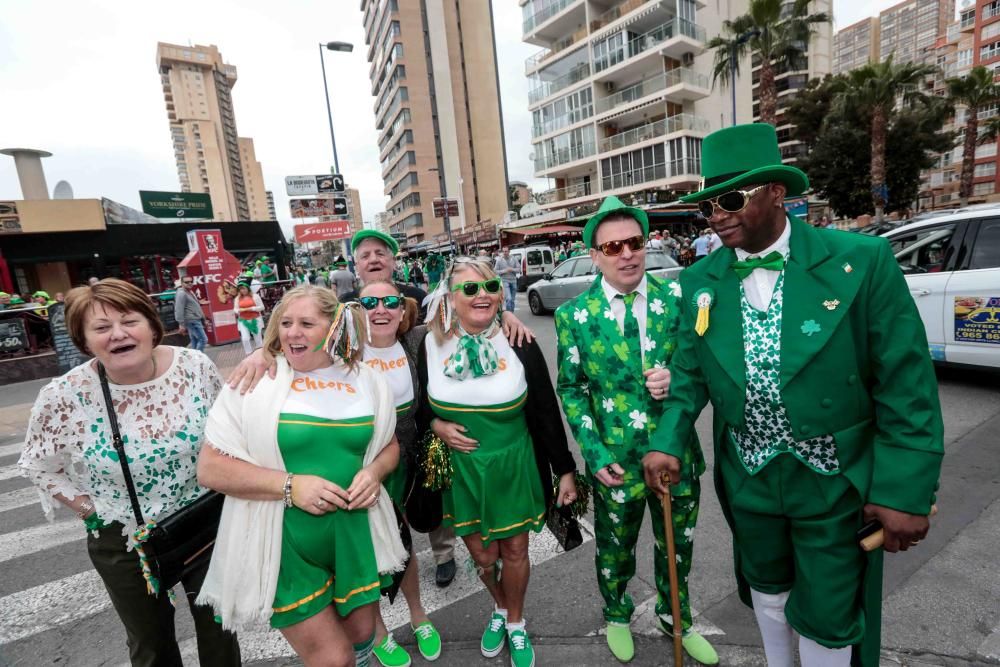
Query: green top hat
x: 374, y: 234
x: 41, y: 293
x: 744, y: 155
x: 615, y: 205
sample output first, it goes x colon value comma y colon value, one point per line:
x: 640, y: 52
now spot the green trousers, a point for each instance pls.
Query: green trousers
x: 148, y: 619
x: 618, y: 514
x: 795, y: 530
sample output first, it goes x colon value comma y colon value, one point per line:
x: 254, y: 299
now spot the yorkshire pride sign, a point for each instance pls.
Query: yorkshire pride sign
x: 323, y: 231
x: 182, y: 205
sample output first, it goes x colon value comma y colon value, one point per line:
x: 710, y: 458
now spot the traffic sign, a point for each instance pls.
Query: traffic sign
x: 314, y: 185
x: 320, y: 206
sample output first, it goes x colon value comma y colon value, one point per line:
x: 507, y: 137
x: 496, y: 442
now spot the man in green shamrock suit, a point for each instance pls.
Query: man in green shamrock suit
x: 825, y: 405
x: 615, y: 342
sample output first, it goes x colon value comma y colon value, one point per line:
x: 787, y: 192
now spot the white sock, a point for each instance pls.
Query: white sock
x: 774, y: 628
x: 498, y: 610
x: 520, y: 625
x: 814, y: 655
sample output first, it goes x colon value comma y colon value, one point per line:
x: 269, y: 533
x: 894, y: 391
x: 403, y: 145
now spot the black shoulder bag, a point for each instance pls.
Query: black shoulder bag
x: 183, y: 541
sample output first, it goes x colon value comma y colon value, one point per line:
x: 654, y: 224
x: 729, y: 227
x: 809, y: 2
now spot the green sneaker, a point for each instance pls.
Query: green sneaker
x: 391, y: 654
x: 494, y: 635
x: 521, y: 652
x: 698, y: 648
x: 620, y: 641
x: 428, y: 641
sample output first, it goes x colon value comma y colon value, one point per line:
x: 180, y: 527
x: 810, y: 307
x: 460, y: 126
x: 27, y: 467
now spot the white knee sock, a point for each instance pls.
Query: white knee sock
x: 774, y: 628
x: 812, y: 654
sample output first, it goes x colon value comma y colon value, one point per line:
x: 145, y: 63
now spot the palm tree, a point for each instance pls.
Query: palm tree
x: 874, y: 90
x: 778, y: 32
x: 975, y: 90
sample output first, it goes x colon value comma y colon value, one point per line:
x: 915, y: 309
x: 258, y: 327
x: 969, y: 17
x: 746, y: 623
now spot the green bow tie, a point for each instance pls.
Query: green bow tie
x: 774, y: 262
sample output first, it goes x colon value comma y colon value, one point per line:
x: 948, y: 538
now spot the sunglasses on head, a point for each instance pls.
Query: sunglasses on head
x: 615, y: 248
x: 472, y: 287
x: 733, y: 201
x: 392, y: 302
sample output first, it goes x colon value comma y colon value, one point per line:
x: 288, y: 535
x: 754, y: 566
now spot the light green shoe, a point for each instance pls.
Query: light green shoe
x: 521, y: 652
x: 493, y: 637
x: 428, y: 641
x: 391, y: 654
x: 620, y: 641
x: 698, y: 648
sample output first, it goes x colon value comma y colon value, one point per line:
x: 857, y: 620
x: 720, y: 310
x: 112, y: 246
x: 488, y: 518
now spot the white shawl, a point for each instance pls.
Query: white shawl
x: 243, y: 575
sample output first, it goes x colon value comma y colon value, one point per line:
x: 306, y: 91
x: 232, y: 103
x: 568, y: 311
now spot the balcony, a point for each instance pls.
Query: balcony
x: 563, y: 156
x: 681, y: 83
x: 565, y: 120
x: 615, y: 13
x: 659, y: 128
x: 547, y: 88
x: 535, y: 61
x: 551, y: 10
x: 654, y: 172
x: 674, y: 39
x: 562, y: 194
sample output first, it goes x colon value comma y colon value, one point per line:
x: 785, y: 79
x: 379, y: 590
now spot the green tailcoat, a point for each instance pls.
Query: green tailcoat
x: 601, y: 384
x: 854, y: 364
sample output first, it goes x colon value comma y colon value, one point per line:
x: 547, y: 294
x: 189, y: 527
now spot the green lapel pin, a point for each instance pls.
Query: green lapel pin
x: 810, y: 327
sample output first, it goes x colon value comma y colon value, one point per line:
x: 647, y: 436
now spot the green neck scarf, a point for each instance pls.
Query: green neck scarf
x: 474, y: 355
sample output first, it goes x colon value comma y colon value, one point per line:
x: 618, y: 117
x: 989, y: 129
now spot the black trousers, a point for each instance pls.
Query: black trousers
x: 148, y: 619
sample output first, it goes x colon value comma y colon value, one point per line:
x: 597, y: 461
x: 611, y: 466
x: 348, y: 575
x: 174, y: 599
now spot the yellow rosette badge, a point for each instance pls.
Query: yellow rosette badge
x: 703, y: 300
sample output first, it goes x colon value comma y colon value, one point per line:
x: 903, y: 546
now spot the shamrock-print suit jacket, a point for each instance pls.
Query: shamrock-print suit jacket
x: 854, y: 364
x: 601, y: 384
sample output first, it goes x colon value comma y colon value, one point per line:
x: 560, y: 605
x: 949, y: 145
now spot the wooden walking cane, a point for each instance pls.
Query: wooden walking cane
x: 675, y: 597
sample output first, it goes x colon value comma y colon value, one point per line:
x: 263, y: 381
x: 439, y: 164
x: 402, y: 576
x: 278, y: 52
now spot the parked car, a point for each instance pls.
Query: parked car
x: 575, y: 275
x: 952, y: 267
x: 536, y: 261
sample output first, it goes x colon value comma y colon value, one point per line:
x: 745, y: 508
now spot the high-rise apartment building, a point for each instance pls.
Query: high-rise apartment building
x: 856, y: 45
x: 197, y: 89
x: 613, y: 97
x: 911, y: 28
x: 354, y: 214
x: 253, y: 179
x: 272, y: 213
x: 815, y: 62
x: 437, y: 112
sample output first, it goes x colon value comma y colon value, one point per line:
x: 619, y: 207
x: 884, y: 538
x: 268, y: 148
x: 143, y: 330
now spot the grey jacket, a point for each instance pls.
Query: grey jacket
x: 186, y: 307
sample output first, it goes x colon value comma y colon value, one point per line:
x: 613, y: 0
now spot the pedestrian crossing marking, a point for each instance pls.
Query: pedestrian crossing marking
x: 9, y: 472
x: 7, y: 450
x: 50, y: 605
x: 39, y: 538
x: 20, y: 498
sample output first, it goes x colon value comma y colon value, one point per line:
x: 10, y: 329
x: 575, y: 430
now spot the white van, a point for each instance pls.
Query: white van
x: 536, y: 261
x: 952, y: 267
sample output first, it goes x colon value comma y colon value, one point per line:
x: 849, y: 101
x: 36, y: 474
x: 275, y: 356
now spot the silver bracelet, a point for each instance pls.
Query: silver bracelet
x: 84, y: 509
x: 288, y: 491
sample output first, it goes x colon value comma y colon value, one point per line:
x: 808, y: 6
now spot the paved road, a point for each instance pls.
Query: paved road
x: 941, y: 601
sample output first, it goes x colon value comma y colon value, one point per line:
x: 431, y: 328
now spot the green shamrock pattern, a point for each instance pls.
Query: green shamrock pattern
x: 766, y: 431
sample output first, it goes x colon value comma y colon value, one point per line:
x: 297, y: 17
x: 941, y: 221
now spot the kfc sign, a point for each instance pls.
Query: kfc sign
x: 323, y: 231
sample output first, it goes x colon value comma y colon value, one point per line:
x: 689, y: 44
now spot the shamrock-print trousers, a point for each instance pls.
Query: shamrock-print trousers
x: 616, y: 528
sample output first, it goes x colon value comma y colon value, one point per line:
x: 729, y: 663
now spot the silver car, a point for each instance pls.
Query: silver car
x: 575, y: 275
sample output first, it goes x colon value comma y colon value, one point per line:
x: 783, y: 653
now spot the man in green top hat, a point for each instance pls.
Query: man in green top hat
x: 825, y: 405
x: 615, y: 342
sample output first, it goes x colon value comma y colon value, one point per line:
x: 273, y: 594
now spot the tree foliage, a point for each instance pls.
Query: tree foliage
x: 839, y: 138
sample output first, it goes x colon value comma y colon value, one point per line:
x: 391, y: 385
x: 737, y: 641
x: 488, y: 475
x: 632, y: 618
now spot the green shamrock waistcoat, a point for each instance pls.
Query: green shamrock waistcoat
x: 601, y: 383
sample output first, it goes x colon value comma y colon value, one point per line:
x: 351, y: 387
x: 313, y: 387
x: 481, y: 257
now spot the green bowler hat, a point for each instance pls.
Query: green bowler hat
x: 744, y: 155
x: 615, y: 205
x: 374, y: 234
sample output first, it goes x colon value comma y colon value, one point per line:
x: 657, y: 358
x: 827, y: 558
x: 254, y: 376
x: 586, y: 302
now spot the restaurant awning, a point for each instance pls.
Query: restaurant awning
x: 541, y: 231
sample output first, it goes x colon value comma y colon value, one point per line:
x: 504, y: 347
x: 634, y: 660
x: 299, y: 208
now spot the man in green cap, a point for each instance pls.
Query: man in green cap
x: 615, y: 341
x: 825, y: 405
x: 4, y: 300
x: 341, y: 280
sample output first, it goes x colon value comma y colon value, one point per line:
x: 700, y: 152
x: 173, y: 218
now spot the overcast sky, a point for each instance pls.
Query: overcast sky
x: 78, y: 79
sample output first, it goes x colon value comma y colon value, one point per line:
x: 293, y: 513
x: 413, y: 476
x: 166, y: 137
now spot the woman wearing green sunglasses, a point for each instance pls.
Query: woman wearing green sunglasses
x: 495, y: 407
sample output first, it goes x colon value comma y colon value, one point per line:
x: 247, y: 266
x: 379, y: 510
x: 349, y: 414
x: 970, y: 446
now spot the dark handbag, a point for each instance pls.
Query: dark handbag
x: 183, y: 541
x: 424, y: 508
x: 564, y: 527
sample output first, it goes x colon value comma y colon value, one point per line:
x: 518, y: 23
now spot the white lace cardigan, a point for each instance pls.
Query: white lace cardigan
x: 68, y: 446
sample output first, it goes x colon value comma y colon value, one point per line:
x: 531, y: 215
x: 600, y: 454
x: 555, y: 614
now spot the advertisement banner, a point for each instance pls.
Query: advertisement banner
x: 208, y: 264
x: 10, y: 221
x: 323, y: 231
x: 297, y: 186
x: 797, y: 206
x: 314, y: 208
x: 977, y: 319
x: 176, y: 204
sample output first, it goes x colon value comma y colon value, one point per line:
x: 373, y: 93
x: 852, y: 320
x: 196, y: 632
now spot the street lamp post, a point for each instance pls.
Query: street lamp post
x: 444, y: 196
x: 740, y: 41
x: 332, y: 46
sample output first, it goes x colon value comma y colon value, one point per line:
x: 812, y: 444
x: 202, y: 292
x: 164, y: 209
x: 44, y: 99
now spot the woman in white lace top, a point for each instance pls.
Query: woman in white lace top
x: 162, y: 395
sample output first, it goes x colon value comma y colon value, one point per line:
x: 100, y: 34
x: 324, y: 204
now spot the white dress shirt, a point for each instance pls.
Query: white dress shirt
x: 759, y: 285
x: 638, y: 308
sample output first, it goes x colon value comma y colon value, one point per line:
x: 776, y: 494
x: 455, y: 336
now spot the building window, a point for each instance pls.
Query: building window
x: 985, y: 169
x: 989, y: 51
x: 964, y: 57
x: 981, y: 189
x: 633, y: 168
